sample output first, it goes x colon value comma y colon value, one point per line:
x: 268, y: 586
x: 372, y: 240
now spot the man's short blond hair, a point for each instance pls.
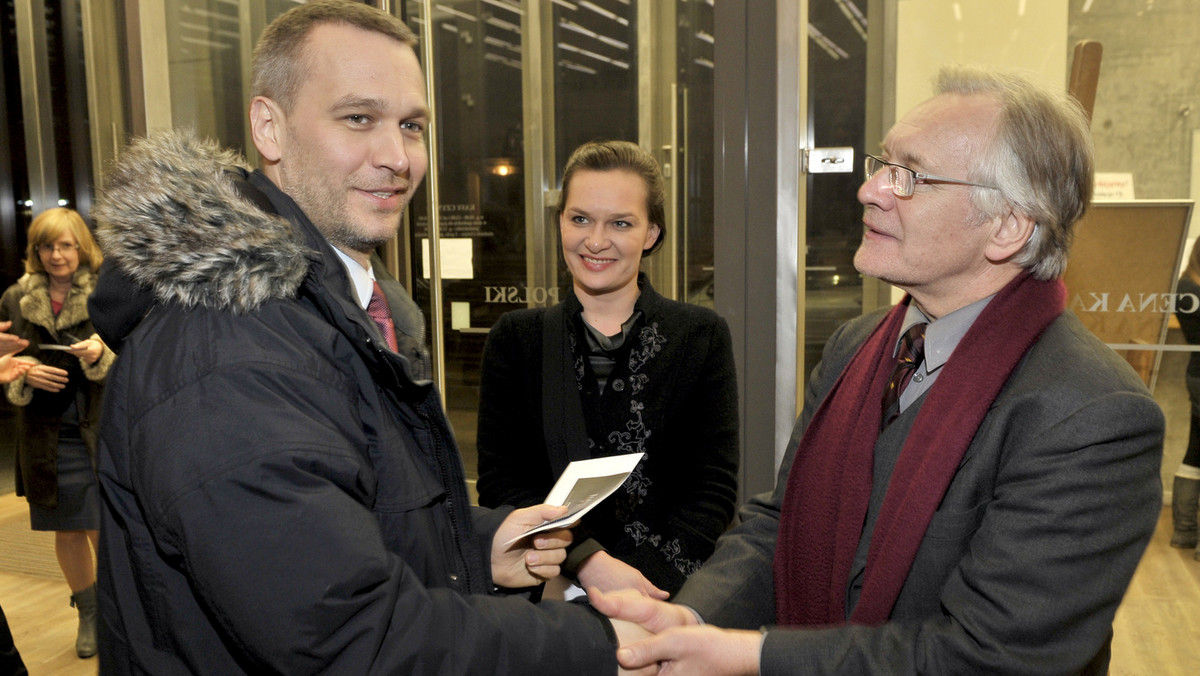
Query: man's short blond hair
x: 279, y: 61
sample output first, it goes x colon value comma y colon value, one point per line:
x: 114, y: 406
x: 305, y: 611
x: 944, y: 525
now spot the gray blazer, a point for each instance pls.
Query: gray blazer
x: 1029, y: 554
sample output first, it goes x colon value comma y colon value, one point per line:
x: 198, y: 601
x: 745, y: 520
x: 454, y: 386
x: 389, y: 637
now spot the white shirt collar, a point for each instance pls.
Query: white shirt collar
x: 362, y: 278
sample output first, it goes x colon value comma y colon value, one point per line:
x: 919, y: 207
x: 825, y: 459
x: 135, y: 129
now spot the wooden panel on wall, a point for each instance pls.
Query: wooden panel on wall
x: 1121, y: 277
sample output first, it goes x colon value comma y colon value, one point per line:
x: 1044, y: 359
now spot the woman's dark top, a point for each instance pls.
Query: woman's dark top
x: 671, y: 393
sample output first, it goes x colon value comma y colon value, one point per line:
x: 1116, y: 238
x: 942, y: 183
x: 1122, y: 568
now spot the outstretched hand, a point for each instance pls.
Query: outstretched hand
x: 48, y: 378
x: 654, y: 615
x: 531, y: 560
x: 10, y: 343
x: 11, y: 369
x: 609, y: 574
x: 680, y: 645
x: 696, y: 651
x: 629, y: 633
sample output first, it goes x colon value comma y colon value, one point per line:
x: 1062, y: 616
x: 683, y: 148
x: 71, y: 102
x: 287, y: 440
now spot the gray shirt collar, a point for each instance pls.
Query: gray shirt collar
x: 943, y: 334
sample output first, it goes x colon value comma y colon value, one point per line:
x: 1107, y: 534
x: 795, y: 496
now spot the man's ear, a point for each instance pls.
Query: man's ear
x: 1010, y: 232
x: 266, y: 128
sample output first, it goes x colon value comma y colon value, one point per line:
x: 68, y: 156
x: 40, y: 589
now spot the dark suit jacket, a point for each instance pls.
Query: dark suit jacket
x: 1029, y: 554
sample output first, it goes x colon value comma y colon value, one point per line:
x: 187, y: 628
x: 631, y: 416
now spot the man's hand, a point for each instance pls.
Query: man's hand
x: 696, y: 651
x: 11, y: 369
x: 533, y: 560
x: 608, y: 574
x: 48, y: 378
x: 628, y: 633
x: 653, y: 615
x: 10, y: 343
x: 681, y: 645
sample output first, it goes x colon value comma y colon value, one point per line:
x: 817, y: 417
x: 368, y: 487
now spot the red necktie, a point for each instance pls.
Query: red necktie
x: 377, y: 308
x: 910, y: 353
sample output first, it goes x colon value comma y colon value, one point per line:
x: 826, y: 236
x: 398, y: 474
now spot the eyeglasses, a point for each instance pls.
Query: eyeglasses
x: 904, y: 180
x: 51, y: 249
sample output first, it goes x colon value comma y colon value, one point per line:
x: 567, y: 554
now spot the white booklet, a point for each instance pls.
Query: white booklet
x: 582, y: 486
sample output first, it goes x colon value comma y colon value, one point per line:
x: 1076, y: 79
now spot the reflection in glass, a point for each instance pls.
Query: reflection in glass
x: 482, y: 132
x: 837, y: 118
x: 477, y: 80
x: 595, y: 74
x: 206, y: 41
x: 203, y: 49
x: 695, y: 163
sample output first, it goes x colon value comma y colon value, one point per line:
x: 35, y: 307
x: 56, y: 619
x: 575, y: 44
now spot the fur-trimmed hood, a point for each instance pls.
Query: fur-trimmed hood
x: 172, y: 219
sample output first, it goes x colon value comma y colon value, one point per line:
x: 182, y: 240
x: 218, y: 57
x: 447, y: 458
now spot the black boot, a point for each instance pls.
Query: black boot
x: 10, y: 659
x: 85, y: 602
x: 1185, y: 497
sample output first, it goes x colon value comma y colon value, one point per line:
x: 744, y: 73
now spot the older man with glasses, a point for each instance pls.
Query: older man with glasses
x: 975, y: 476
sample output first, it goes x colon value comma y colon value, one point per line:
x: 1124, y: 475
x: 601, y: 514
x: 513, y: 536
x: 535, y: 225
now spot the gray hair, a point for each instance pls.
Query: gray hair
x: 1039, y: 157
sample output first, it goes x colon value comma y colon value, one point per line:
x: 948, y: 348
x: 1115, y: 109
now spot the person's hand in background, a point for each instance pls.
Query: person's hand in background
x: 10, y: 343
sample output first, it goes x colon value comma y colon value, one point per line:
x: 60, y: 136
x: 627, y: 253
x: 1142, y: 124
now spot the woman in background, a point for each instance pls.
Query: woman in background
x: 58, y: 399
x: 613, y: 369
x: 1185, y: 492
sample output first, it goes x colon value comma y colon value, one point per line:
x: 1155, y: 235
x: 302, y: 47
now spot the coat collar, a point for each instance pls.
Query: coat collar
x: 176, y: 219
x: 36, y: 306
x: 649, y: 301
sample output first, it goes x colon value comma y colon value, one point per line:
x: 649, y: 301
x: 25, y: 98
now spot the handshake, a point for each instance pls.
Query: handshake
x: 657, y: 637
x: 654, y: 637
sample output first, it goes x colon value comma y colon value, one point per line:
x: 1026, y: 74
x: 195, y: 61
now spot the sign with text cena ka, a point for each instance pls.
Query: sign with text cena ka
x: 1106, y: 301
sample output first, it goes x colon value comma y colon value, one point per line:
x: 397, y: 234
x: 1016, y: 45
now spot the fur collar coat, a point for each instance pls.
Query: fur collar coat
x: 27, y: 304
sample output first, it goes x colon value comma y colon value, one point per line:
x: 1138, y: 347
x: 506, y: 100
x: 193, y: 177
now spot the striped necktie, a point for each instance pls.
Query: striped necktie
x: 378, y: 310
x: 908, y: 356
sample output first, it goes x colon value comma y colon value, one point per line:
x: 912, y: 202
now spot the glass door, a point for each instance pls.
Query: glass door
x: 836, y: 94
x: 517, y: 86
x: 44, y: 120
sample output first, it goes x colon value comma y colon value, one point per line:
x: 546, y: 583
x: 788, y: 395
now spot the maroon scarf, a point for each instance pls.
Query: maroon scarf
x: 830, y: 481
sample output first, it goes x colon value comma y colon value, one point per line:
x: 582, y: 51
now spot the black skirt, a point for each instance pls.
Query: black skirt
x: 78, y: 493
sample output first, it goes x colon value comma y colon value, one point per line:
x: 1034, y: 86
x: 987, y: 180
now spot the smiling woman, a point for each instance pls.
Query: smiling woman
x: 616, y: 368
x: 58, y: 399
x: 605, y: 230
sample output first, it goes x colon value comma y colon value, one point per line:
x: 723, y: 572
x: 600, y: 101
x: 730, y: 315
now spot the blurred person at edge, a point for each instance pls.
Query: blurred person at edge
x: 58, y: 398
x: 282, y: 490
x: 10, y: 343
x: 613, y: 369
x: 989, y: 518
x: 11, y: 663
x: 1185, y: 488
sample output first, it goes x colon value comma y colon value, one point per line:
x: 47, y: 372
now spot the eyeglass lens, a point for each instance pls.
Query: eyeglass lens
x: 57, y: 248
x: 899, y: 178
